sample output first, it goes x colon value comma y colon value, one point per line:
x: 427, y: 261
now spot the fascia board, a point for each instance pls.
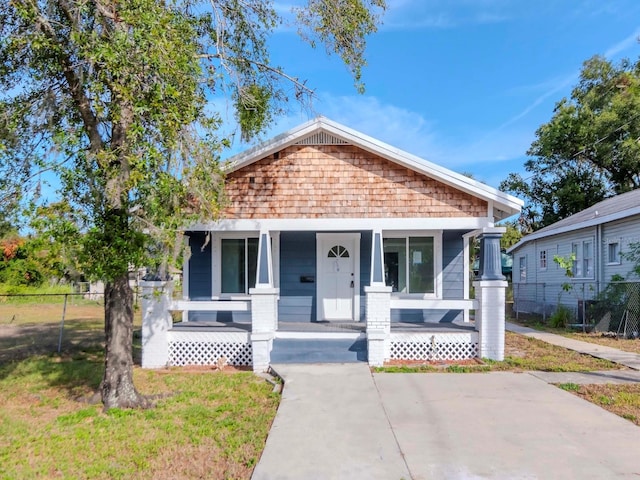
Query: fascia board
x: 576, y: 226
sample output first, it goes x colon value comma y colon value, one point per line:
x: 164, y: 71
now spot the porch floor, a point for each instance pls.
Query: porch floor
x: 324, y: 327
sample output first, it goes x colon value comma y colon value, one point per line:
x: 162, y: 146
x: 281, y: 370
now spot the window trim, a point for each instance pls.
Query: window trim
x: 437, y: 260
x: 543, y: 258
x: 522, y: 268
x: 579, y: 263
x: 216, y: 261
x: 618, y: 260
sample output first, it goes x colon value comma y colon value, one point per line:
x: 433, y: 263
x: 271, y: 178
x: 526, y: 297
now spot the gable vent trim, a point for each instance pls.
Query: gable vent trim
x: 322, y: 138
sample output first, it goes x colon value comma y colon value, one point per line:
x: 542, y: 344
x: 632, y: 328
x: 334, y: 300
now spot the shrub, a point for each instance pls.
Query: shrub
x: 562, y: 317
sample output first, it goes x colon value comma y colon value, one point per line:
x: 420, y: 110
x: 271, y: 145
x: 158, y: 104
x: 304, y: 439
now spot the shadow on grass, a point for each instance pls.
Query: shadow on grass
x: 78, y: 367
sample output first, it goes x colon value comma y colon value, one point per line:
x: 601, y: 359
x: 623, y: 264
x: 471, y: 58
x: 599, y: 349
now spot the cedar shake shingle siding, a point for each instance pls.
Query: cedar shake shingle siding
x: 340, y: 181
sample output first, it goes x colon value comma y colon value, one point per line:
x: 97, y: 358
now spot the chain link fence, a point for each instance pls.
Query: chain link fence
x: 58, y: 323
x: 612, y: 307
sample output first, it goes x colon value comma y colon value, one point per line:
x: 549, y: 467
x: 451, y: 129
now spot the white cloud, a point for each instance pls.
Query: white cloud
x: 627, y: 43
x: 415, y: 15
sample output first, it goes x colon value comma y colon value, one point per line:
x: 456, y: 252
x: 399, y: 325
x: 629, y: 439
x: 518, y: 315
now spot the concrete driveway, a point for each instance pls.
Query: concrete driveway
x: 504, y: 426
x: 342, y: 422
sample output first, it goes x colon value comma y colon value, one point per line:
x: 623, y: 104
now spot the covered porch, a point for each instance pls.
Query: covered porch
x: 250, y: 328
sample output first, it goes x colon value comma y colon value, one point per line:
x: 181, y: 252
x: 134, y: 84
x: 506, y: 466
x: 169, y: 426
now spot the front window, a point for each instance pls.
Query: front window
x: 239, y: 262
x: 409, y: 264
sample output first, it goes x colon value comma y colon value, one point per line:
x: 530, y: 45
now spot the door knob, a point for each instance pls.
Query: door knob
x: 351, y: 283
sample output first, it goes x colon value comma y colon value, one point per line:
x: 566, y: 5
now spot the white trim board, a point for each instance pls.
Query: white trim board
x: 345, y: 224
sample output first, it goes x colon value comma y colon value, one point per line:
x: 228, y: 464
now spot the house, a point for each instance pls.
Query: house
x: 595, y: 237
x: 332, y: 239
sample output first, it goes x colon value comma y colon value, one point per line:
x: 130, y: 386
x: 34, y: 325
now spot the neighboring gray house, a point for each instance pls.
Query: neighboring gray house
x: 597, y: 236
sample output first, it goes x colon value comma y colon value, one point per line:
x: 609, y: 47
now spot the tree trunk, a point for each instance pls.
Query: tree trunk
x: 117, y: 387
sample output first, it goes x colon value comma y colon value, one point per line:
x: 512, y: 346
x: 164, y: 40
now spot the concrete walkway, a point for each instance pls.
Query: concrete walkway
x: 331, y: 424
x: 340, y: 421
x: 628, y: 359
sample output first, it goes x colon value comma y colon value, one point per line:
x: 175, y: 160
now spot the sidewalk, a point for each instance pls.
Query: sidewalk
x: 628, y: 359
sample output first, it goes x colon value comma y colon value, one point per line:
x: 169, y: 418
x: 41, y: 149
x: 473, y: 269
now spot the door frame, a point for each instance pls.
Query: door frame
x: 335, y: 238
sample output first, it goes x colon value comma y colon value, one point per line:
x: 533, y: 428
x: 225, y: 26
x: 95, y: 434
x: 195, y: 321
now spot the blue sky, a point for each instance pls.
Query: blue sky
x: 463, y: 83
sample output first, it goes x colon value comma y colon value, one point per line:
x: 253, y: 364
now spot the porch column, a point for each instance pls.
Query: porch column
x: 156, y: 323
x: 490, y: 293
x: 264, y: 307
x: 378, y: 307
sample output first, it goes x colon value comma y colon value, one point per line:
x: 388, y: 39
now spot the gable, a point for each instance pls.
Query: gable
x: 337, y: 180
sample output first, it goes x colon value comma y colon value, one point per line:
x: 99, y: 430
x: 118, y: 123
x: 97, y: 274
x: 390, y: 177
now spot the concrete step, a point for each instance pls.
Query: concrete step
x: 302, y: 350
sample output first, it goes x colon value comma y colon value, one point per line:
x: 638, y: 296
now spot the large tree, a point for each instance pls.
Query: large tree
x: 589, y: 149
x: 113, y: 96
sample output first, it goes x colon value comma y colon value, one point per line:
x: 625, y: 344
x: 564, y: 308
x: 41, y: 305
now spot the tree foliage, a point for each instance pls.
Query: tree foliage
x: 589, y: 149
x: 511, y: 236
x: 112, y: 95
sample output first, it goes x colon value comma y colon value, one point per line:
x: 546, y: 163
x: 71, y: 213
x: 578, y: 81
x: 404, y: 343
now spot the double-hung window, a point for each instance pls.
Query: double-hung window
x: 522, y: 267
x: 239, y: 258
x: 410, y: 264
x: 543, y: 259
x: 583, y: 263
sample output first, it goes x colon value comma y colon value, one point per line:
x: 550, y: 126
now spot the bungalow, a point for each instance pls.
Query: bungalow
x: 594, y: 238
x: 333, y: 243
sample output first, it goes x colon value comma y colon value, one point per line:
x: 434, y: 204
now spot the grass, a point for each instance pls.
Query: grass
x: 623, y: 400
x: 624, y: 344
x: 206, y: 425
x: 521, y: 353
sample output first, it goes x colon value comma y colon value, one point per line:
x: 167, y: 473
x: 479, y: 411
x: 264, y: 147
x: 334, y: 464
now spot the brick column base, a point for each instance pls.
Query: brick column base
x: 378, y: 314
x: 490, y: 318
x: 156, y: 322
x: 264, y: 323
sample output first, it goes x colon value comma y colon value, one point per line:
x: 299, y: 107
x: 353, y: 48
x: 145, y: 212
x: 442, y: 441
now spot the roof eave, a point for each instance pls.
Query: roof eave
x: 576, y: 226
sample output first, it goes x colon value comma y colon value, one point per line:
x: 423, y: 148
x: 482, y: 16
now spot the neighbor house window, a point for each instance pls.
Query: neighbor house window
x: 614, y: 252
x: 239, y: 257
x: 583, y: 264
x: 543, y: 259
x: 523, y: 268
x: 409, y: 264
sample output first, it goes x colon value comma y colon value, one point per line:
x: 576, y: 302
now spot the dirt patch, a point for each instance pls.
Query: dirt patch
x: 435, y: 363
x: 20, y: 342
x: 229, y: 369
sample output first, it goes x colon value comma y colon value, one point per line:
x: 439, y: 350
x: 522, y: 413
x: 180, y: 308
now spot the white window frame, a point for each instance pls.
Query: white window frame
x: 581, y: 264
x: 617, y: 260
x: 522, y: 268
x: 543, y: 259
x: 437, y: 259
x: 216, y: 260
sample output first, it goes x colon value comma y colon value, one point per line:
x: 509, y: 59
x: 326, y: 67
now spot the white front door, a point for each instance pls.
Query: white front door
x: 338, y: 272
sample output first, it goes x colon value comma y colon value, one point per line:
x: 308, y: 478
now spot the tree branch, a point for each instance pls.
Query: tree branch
x: 74, y: 84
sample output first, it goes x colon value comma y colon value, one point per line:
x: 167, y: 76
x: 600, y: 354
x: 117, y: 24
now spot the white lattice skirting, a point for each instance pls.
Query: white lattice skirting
x: 434, y: 346
x: 206, y: 348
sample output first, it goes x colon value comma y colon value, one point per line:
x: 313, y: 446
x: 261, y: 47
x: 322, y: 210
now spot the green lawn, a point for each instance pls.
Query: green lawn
x: 206, y: 423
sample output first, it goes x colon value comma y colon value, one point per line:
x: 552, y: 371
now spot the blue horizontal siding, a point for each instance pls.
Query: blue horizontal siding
x: 452, y: 264
x: 297, y: 259
x: 199, y: 267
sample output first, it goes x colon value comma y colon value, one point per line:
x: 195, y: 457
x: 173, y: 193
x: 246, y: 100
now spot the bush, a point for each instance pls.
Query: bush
x: 562, y: 317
